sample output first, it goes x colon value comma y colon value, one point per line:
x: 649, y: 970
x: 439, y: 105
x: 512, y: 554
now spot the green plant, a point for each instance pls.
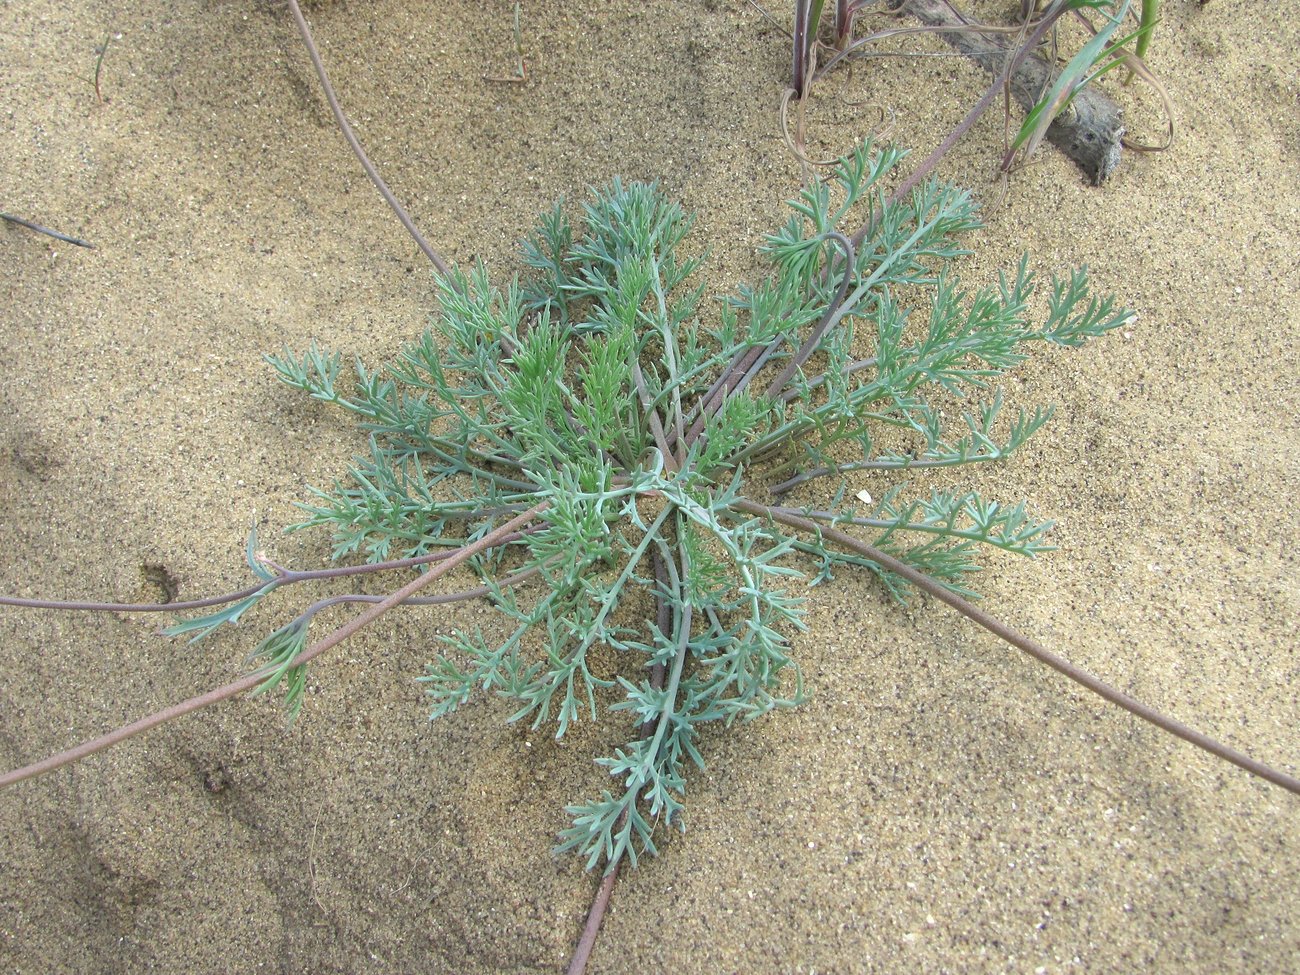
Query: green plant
x: 451, y: 478
x: 1100, y: 55
x: 648, y: 426
x: 1028, y: 59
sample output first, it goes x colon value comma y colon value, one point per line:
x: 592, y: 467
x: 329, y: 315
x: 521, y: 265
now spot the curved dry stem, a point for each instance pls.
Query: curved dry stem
x: 252, y: 680
x: 795, y: 143
x: 979, y: 108
x: 283, y: 577
x: 93, y: 607
x: 856, y: 51
x: 1138, y: 68
x: 346, y: 127
x: 1031, y: 647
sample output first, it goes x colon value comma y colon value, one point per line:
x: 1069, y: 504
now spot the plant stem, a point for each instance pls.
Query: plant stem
x: 478, y: 592
x: 1013, y: 62
x: 46, y: 231
x: 1091, y: 137
x: 346, y: 127
x: 284, y: 577
x: 882, y: 465
x: 229, y: 597
x: 1031, y: 647
x: 600, y: 903
x: 252, y: 680
x: 99, y: 66
x: 832, y: 315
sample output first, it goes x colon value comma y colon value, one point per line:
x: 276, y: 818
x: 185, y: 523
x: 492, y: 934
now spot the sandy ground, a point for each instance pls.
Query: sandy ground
x: 939, y: 805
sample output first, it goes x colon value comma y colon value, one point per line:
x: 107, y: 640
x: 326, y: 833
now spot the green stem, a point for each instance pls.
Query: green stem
x: 683, y: 646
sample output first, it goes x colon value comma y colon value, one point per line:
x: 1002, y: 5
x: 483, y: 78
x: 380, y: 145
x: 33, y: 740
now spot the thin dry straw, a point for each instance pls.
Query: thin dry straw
x: 46, y: 231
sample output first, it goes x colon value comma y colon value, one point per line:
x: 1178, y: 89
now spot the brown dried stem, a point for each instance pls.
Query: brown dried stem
x: 252, y: 680
x: 1031, y: 647
x: 346, y: 127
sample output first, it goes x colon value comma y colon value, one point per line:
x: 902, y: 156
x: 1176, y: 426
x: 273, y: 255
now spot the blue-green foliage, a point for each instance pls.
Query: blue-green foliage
x: 602, y: 386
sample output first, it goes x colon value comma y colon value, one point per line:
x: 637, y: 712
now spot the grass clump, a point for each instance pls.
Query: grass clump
x: 651, y: 433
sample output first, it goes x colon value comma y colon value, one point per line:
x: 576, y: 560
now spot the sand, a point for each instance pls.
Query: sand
x: 940, y: 804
